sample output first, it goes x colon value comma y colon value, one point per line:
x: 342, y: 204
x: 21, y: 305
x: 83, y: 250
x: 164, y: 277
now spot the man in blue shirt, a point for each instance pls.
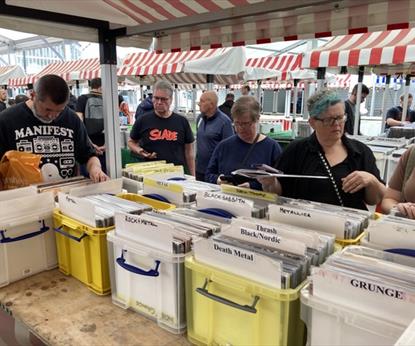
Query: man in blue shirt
x: 213, y: 126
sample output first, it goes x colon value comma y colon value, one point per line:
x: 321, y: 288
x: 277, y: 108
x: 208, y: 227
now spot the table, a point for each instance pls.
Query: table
x: 62, y: 311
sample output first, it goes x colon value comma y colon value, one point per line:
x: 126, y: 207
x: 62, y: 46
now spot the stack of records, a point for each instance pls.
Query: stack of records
x: 400, y: 131
x: 63, y: 185
x: 106, y: 206
x: 391, y: 233
x: 373, y: 282
x: 389, y: 142
x: 274, y: 254
x: 170, y: 231
x: 343, y: 222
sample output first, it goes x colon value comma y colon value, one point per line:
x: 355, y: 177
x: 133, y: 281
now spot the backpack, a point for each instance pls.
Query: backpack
x: 94, y: 115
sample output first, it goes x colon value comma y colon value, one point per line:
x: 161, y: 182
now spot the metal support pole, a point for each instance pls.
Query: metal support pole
x: 306, y: 114
x: 209, y: 81
x: 258, y: 91
x: 321, y: 76
x: 295, y: 98
x: 383, y: 110
x: 405, y: 99
x: 358, y: 98
x: 372, y: 100
x: 287, y: 102
x: 176, y: 98
x: 108, y: 59
x: 194, y: 96
x: 275, y: 101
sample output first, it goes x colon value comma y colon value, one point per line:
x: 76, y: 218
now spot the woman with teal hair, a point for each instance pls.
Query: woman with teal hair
x: 353, y: 178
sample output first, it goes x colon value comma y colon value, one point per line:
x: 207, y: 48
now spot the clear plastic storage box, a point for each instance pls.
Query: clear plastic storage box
x: 27, y: 239
x: 332, y: 324
x: 148, y: 281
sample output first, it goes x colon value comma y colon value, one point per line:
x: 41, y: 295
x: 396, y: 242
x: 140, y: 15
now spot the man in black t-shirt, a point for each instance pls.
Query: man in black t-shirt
x: 163, y: 134
x: 349, y: 108
x: 44, y: 125
x: 394, y: 114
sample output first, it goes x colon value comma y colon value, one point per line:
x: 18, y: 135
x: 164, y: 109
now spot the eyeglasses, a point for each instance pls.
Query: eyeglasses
x: 341, y: 119
x: 161, y: 99
x: 243, y: 123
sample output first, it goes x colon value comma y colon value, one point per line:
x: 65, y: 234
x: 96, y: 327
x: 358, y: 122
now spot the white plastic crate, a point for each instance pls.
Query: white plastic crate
x: 408, y: 337
x: 27, y: 239
x: 148, y: 281
x: 332, y: 324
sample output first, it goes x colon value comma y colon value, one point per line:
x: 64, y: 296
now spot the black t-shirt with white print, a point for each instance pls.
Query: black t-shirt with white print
x: 61, y: 143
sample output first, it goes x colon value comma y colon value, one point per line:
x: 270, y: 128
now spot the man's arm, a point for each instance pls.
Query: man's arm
x: 190, y: 159
x: 93, y: 167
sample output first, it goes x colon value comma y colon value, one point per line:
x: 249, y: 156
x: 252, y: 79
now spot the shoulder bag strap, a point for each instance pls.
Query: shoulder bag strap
x: 250, y: 150
x: 333, y: 182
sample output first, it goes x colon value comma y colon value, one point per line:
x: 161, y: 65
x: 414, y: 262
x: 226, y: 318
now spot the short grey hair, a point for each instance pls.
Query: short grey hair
x: 321, y: 101
x: 163, y: 85
x: 246, y: 105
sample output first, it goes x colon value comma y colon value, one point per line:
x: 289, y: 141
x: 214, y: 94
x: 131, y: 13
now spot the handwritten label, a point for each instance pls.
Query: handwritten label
x: 321, y: 221
x: 245, y: 192
x: 227, y: 198
x: 70, y: 200
x: 163, y: 185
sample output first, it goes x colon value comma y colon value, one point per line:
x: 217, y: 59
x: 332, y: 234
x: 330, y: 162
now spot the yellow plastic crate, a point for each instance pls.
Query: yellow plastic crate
x: 82, y: 252
x: 146, y: 200
x: 347, y: 242
x: 82, y: 249
x: 226, y: 309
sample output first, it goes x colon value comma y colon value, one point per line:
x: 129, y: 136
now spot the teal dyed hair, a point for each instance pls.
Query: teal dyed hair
x: 321, y: 101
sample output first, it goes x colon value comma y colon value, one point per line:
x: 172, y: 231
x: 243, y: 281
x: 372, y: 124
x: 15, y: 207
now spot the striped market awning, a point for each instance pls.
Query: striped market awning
x: 204, y: 24
x: 22, y: 81
x: 287, y: 64
x: 189, y: 67
x: 395, y: 47
x: 83, y: 69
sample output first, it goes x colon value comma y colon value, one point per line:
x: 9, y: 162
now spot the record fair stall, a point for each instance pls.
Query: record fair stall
x: 234, y: 300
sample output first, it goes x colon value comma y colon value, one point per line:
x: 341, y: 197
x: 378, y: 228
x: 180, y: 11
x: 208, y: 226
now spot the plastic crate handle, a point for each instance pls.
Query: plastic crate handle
x: 217, y: 212
x: 157, y: 197
x: 404, y: 252
x: 248, y: 308
x: 152, y: 272
x: 67, y: 235
x: 4, y: 239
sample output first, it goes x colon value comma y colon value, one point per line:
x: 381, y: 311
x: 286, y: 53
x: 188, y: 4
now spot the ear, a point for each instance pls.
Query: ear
x: 312, y: 122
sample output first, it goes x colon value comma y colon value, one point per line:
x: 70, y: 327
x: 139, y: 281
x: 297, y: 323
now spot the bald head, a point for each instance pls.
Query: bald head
x: 208, y: 103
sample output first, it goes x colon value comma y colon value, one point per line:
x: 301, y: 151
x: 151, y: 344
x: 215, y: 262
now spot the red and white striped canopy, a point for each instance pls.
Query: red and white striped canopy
x: 82, y: 69
x: 202, y: 24
x: 377, y: 48
x: 22, y: 81
x: 286, y: 64
x: 149, y: 66
x: 10, y: 71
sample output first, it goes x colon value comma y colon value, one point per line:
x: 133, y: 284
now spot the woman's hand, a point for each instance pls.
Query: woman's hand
x: 407, y: 209
x: 270, y: 184
x: 356, y: 181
